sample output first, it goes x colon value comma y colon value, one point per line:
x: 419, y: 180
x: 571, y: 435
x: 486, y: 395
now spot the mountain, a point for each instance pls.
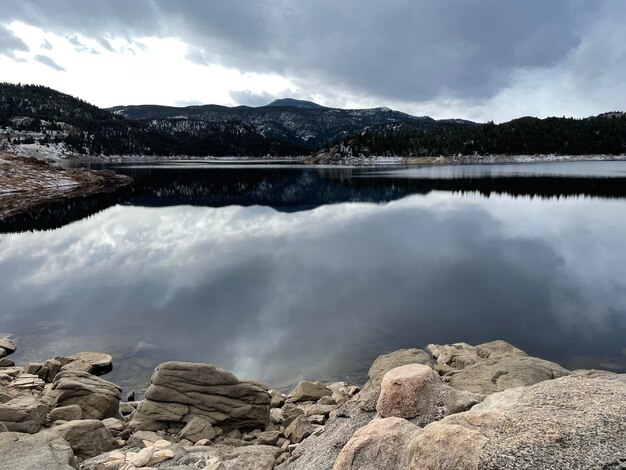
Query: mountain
x: 300, y: 123
x: 36, y: 114
x: 32, y: 114
x: 295, y: 103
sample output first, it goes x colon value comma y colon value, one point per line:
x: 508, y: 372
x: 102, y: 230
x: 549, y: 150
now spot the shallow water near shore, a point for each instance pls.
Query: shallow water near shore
x: 288, y: 272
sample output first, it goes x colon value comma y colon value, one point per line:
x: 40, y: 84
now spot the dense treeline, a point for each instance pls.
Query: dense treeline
x: 604, y: 134
x: 90, y: 130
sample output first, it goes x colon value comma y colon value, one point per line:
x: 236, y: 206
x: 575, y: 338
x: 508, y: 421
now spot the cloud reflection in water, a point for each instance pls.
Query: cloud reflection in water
x: 319, y: 293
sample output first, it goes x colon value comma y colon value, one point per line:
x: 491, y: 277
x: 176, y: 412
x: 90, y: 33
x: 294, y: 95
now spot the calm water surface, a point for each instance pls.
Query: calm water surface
x: 286, y: 272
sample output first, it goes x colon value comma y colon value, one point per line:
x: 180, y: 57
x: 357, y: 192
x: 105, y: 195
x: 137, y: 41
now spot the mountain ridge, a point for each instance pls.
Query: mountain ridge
x: 31, y: 114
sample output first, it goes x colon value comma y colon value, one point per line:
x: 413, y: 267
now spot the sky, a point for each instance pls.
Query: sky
x: 480, y: 59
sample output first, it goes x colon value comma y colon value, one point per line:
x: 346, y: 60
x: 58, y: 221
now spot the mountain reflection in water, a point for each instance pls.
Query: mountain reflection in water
x: 297, y: 188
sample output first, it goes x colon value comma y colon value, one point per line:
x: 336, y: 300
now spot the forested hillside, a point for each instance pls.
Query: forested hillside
x: 604, y: 134
x: 30, y: 114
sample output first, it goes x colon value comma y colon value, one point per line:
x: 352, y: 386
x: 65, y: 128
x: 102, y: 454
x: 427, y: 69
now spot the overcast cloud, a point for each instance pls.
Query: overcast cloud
x: 482, y: 59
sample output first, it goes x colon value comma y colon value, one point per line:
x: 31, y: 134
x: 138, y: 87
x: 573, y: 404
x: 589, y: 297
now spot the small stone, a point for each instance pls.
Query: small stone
x: 113, y: 424
x: 299, y: 429
x: 276, y: 416
x: 196, y: 429
x: 317, y: 419
x: 268, y: 438
x: 4, y: 362
x: 278, y: 399
x: 160, y: 456
x: 140, y: 438
x: 326, y: 401
x: 141, y: 458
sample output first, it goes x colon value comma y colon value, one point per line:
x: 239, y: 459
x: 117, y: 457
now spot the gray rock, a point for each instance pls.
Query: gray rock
x: 114, y: 425
x: 327, y: 401
x: 268, y: 438
x: 50, y: 368
x: 572, y: 422
x: 138, y: 438
x: 87, y: 437
x: 197, y: 429
x: 95, y: 363
x: 496, y: 374
x: 33, y: 367
x: 278, y: 399
x: 66, y: 413
x: 97, y: 398
x: 290, y: 415
x: 316, y: 409
x: 299, y: 429
x: 8, y: 346
x: 276, y: 416
x: 416, y: 392
x: 457, y: 356
x: 383, y: 364
x: 498, y: 348
x: 27, y: 382
x: 180, y: 391
x: 40, y: 451
x: 320, y: 452
x: 381, y: 445
x: 308, y: 391
x: 4, y: 362
x: 23, y: 414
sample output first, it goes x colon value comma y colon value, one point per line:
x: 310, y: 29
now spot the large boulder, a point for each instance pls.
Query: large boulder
x: 457, y: 356
x: 87, y: 437
x: 7, y: 347
x: 383, y: 364
x: 97, y: 398
x: 416, y: 392
x: 320, y: 452
x: 495, y: 374
x: 180, y: 391
x: 95, y: 363
x: 308, y: 391
x: 91, y: 362
x: 40, y: 451
x: 381, y: 445
x: 23, y: 414
x: 573, y: 422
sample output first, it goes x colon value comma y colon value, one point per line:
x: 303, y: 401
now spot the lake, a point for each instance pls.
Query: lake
x: 283, y: 272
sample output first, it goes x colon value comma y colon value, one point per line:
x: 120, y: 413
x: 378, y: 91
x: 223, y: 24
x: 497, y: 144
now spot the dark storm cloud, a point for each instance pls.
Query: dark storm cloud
x: 45, y: 60
x: 407, y: 50
x: 10, y: 43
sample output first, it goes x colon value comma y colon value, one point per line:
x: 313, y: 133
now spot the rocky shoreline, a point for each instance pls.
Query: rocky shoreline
x: 457, y: 406
x: 29, y: 184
